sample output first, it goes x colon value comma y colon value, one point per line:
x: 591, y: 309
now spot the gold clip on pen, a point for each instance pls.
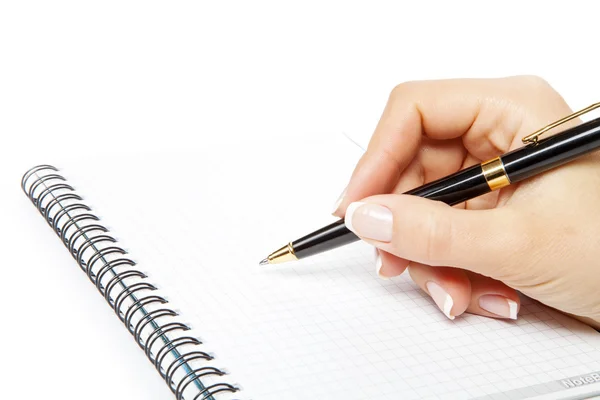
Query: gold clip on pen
x: 515, y: 166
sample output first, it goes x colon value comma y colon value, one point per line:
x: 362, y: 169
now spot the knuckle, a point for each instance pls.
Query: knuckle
x: 536, y: 83
x: 540, y: 84
x: 438, y: 237
x: 402, y: 89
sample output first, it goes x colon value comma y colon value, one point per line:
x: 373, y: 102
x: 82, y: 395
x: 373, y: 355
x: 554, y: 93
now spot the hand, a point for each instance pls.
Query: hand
x: 540, y: 237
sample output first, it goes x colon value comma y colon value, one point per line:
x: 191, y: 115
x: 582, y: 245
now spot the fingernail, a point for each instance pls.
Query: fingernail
x: 370, y: 221
x: 499, y: 305
x: 441, y: 298
x: 379, y: 264
x: 338, y: 202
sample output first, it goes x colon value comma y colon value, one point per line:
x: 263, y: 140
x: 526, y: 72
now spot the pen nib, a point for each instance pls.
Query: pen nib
x: 264, y: 262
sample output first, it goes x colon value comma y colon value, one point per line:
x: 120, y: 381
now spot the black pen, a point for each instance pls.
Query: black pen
x: 515, y: 166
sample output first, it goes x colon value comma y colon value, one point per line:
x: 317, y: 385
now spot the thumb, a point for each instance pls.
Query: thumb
x: 433, y: 233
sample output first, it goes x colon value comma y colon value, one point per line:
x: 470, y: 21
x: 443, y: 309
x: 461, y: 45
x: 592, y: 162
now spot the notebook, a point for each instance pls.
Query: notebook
x: 172, y: 242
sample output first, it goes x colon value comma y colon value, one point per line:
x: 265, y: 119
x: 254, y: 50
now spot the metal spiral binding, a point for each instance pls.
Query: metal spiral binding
x: 145, y: 314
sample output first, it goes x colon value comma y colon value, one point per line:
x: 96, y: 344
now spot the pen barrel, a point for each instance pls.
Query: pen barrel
x: 456, y: 188
x: 552, y: 152
x: 329, y: 237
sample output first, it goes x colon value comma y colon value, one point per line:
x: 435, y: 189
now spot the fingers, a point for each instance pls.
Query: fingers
x: 440, y: 110
x: 387, y: 265
x: 449, y: 288
x: 434, y: 233
x: 456, y: 291
x: 492, y: 298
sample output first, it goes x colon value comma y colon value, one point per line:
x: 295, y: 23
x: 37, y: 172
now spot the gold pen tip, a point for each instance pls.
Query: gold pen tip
x: 264, y: 262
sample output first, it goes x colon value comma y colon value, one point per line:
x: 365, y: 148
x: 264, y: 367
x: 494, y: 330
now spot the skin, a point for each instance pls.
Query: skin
x: 540, y: 237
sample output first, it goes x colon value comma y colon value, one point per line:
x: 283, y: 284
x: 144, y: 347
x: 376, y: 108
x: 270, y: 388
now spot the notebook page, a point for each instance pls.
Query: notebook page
x: 326, y: 327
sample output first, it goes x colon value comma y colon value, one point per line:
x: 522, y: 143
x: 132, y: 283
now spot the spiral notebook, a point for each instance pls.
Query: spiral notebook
x: 215, y: 325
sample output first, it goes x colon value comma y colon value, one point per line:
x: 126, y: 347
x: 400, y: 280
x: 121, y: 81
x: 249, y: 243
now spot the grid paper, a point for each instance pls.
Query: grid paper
x: 326, y: 327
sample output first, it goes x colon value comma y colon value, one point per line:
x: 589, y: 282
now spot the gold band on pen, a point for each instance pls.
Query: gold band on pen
x: 495, y: 174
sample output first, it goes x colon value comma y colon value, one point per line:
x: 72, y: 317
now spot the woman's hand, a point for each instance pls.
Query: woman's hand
x: 540, y: 237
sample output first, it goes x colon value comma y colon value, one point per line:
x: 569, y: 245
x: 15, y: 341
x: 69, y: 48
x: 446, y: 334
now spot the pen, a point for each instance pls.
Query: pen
x: 535, y: 157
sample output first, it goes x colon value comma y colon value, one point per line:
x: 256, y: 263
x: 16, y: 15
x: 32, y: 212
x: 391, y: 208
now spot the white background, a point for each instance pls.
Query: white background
x: 81, y: 78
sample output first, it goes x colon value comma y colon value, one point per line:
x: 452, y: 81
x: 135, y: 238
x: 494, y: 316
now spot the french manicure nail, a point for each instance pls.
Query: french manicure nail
x: 499, y: 305
x: 441, y: 298
x: 338, y: 202
x: 370, y: 221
